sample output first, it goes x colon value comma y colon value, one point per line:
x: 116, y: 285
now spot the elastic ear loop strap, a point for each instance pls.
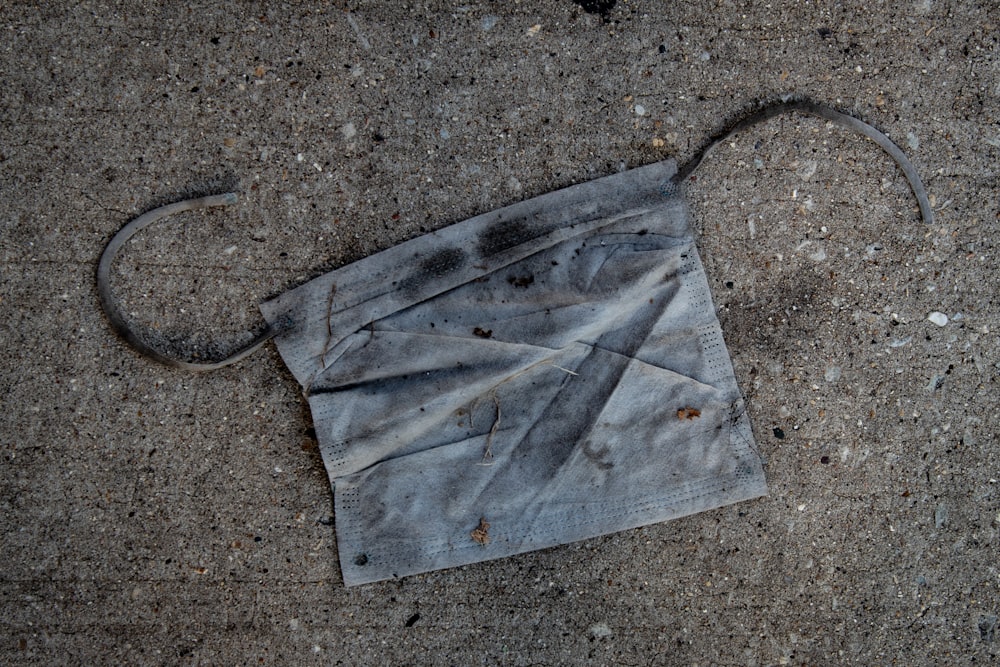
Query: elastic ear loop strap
x: 121, y: 327
x: 114, y: 315
x: 826, y: 113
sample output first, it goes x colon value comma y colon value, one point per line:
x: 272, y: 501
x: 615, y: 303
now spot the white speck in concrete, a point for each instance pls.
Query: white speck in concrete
x: 599, y: 631
x: 937, y: 318
x: 832, y: 373
x: 640, y: 110
x: 912, y: 141
x: 488, y: 23
x: 941, y: 516
x: 807, y: 169
x: 362, y: 40
x: 349, y: 131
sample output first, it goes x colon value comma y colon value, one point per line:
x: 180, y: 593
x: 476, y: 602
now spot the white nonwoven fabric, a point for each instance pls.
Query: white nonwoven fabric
x: 540, y: 374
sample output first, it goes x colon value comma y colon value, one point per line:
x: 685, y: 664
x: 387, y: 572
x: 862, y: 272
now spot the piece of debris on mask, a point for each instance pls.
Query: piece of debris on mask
x: 481, y: 535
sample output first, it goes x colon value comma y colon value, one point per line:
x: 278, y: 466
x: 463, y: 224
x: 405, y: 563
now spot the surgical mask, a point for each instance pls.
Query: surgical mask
x: 545, y: 373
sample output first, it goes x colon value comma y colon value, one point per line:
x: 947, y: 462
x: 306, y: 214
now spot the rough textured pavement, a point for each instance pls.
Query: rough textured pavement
x: 156, y: 517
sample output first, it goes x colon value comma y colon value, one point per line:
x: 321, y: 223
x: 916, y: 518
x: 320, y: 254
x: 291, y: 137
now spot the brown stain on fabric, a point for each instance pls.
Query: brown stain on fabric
x: 481, y: 533
x: 688, y: 413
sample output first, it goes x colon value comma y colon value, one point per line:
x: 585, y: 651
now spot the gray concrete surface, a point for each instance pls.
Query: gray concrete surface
x: 155, y: 517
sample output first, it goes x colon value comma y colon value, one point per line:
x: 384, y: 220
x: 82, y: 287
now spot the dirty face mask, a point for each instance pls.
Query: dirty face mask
x: 540, y: 374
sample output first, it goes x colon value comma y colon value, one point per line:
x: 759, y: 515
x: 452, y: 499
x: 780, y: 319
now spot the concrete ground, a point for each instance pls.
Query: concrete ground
x: 152, y: 516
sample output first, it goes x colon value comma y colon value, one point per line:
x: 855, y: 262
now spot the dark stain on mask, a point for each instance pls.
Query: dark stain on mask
x: 504, y: 235
x: 436, y: 265
x: 597, y: 455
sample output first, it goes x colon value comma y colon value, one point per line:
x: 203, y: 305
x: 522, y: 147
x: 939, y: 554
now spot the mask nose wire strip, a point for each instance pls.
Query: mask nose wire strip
x: 826, y: 113
x: 114, y: 315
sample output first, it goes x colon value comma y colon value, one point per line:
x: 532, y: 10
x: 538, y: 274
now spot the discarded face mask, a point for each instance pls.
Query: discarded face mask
x: 541, y: 374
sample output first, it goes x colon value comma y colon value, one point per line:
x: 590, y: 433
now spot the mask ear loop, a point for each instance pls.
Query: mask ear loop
x: 826, y: 113
x: 114, y: 315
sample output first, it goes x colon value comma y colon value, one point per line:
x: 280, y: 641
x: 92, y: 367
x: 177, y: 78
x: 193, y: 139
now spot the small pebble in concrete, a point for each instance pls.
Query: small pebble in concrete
x: 599, y: 631
x: 987, y: 627
x: 937, y: 318
x: 941, y: 516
